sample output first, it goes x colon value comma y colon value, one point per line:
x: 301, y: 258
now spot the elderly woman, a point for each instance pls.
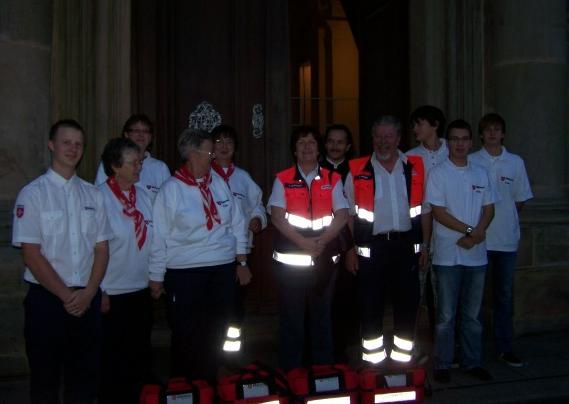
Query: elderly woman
x: 199, y: 235
x: 308, y: 208
x: 126, y: 304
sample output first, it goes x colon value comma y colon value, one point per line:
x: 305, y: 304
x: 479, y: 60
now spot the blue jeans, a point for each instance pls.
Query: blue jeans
x: 460, y: 287
x: 503, y: 268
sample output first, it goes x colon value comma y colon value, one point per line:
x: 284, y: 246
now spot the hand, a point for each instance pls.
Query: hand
x: 79, y: 302
x: 243, y: 275
x: 255, y: 225
x: 466, y: 242
x: 351, y: 261
x: 478, y: 235
x: 105, y: 303
x: 424, y: 260
x: 312, y: 246
x: 156, y: 289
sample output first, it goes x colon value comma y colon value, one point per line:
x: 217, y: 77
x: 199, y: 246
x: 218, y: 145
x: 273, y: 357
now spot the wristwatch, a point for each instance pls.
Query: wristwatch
x: 242, y: 263
x: 468, y: 230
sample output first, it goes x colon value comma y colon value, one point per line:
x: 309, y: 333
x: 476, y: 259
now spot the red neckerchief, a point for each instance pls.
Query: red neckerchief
x: 219, y: 169
x: 129, y: 209
x: 211, y: 215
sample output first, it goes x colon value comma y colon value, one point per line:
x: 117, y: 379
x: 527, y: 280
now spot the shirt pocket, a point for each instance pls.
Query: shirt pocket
x: 52, y: 222
x: 88, y: 222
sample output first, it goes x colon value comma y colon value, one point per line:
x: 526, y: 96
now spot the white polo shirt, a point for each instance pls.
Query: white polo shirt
x: 153, y: 174
x: 181, y: 238
x: 511, y: 182
x: 128, y: 265
x: 391, y: 202
x: 66, y: 218
x: 250, y: 197
x: 462, y: 191
x: 277, y: 197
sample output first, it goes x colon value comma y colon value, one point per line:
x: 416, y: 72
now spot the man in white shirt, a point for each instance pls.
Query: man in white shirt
x: 61, y: 226
x: 462, y: 200
x: 508, y: 173
x: 139, y: 129
x: 385, y: 192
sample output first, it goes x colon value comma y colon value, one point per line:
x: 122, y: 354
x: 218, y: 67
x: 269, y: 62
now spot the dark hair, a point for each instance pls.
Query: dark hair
x: 387, y: 120
x: 136, y: 118
x: 431, y: 114
x: 64, y: 123
x: 113, y: 153
x: 348, y: 133
x: 459, y: 124
x: 303, y: 131
x: 491, y: 119
x: 224, y: 131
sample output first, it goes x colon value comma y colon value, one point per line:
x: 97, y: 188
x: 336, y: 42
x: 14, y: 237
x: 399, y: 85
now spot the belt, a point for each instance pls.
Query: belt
x: 392, y: 235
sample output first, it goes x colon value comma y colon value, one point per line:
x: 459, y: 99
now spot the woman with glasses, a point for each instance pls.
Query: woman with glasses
x: 139, y: 129
x: 199, y: 235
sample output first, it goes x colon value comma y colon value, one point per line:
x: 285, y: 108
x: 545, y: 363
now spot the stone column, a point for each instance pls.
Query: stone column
x: 527, y: 83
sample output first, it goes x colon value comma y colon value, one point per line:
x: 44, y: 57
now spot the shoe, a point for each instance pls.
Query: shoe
x: 511, y: 359
x: 480, y: 374
x: 441, y: 375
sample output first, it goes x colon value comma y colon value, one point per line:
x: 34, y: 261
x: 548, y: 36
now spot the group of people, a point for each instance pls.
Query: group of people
x: 96, y: 255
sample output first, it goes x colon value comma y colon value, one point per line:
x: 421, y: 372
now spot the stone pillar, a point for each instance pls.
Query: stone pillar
x: 527, y: 83
x: 25, y: 57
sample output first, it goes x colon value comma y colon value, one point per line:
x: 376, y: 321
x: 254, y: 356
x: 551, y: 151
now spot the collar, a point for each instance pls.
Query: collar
x: 58, y: 180
x: 442, y: 147
x: 487, y: 155
x: 451, y: 164
x: 335, y: 165
x: 299, y: 173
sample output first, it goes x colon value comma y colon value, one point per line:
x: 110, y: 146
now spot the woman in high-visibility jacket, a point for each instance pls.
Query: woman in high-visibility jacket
x: 308, y: 208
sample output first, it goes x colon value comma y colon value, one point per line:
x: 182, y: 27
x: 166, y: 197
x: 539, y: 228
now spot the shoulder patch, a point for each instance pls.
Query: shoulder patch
x: 19, y: 211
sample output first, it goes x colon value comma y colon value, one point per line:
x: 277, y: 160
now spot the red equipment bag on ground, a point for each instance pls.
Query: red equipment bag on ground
x: 324, y: 381
x: 392, y: 385
x: 255, y: 383
x: 179, y: 391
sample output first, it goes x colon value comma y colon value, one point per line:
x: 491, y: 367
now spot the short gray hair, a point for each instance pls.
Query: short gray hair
x: 191, y: 139
x: 387, y: 120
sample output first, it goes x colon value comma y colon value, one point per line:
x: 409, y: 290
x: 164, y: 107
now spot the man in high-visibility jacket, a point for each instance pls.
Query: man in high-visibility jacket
x: 308, y: 207
x: 385, y: 192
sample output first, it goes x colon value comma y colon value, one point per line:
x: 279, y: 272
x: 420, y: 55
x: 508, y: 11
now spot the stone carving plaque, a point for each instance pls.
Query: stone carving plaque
x: 204, y: 117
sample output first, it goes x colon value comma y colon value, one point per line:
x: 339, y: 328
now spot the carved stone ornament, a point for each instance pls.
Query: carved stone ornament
x: 258, y: 121
x: 204, y: 117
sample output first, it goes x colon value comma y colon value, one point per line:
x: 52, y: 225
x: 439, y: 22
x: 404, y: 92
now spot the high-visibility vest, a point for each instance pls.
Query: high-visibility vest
x: 308, y: 210
x: 363, y: 177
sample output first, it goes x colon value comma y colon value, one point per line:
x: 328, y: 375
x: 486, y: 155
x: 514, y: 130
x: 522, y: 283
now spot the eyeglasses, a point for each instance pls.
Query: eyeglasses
x: 225, y: 141
x: 211, y: 155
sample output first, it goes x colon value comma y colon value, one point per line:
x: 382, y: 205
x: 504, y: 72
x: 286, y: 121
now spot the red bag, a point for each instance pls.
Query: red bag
x: 324, y: 381
x: 179, y: 389
x: 254, y: 383
x: 397, y: 386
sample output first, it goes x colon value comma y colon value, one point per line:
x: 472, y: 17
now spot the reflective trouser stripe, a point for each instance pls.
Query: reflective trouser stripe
x: 374, y: 357
x: 232, y: 346
x: 401, y: 396
x: 415, y: 211
x: 402, y: 343
x: 417, y: 248
x: 232, y: 341
x: 402, y: 349
x: 372, y: 350
x: 364, y: 214
x: 363, y: 252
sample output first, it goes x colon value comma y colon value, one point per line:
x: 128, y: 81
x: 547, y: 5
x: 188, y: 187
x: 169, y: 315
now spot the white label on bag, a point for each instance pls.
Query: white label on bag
x: 327, y: 384
x: 255, y: 390
x: 396, y: 380
x: 184, y: 398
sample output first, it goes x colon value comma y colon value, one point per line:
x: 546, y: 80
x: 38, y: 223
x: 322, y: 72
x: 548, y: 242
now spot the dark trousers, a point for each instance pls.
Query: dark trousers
x: 199, y: 303
x: 345, y: 321
x: 305, y: 290
x: 62, y: 350
x: 391, y: 270
x: 127, y: 351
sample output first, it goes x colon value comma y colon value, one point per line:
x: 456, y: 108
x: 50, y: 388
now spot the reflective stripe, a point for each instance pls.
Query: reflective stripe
x: 400, y: 356
x: 372, y: 344
x: 300, y: 260
x: 270, y: 402
x: 332, y: 400
x: 417, y: 248
x: 303, y: 223
x: 336, y: 259
x: 405, y: 344
x: 415, y: 211
x: 232, y: 346
x: 375, y: 357
x: 363, y: 252
x: 364, y: 214
x: 395, y: 397
x: 233, y: 332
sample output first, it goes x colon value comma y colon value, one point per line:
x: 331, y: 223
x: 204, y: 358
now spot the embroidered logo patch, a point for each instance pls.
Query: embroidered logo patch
x: 326, y: 186
x: 19, y: 211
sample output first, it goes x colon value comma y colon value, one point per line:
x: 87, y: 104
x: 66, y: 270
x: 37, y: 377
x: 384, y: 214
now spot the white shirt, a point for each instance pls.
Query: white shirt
x: 511, y: 182
x: 430, y: 159
x: 153, y: 174
x: 181, y: 238
x: 66, y: 218
x: 390, y: 202
x: 249, y: 196
x: 462, y: 191
x: 128, y: 265
x: 277, y: 197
